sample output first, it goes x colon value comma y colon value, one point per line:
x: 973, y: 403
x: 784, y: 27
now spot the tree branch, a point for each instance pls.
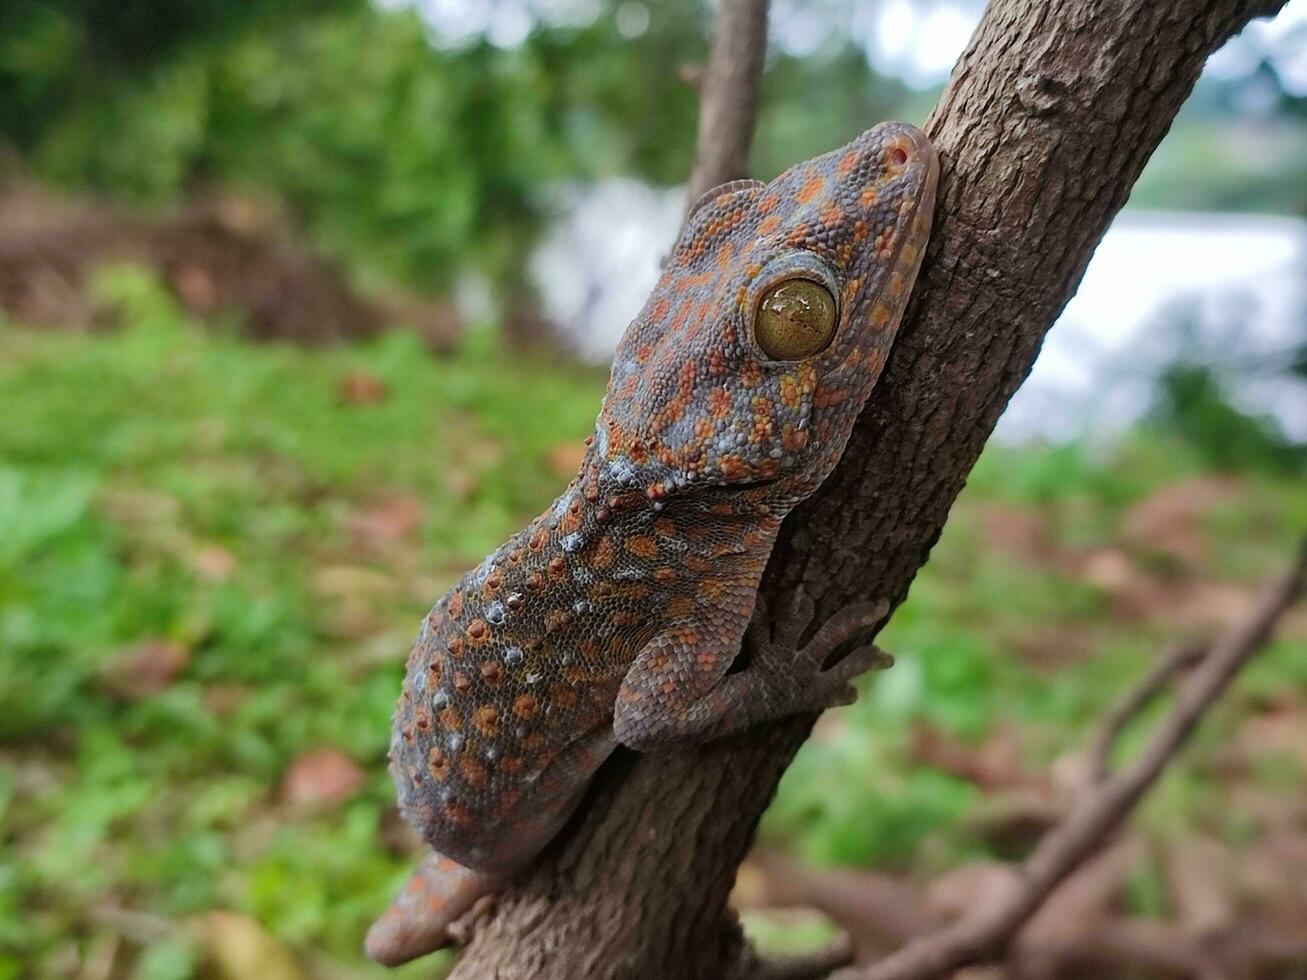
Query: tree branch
x: 1145, y: 692
x: 1046, y: 123
x: 985, y: 935
x: 728, y: 104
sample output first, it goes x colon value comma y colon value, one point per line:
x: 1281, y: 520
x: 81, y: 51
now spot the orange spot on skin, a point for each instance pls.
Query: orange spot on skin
x: 789, y: 391
x: 450, y: 720
x: 456, y: 603
x: 455, y: 646
x: 679, y: 607
x: 438, y: 765
x: 589, y: 648
x: 477, y: 631
x: 878, y: 315
x: 538, y: 540
x: 562, y: 697
x: 716, y: 362
x: 457, y: 814
x: 712, y: 588
x: 733, y: 467
x: 486, y: 720
x: 847, y: 163
x: 664, y: 575
x: 604, y: 553
x: 719, y: 402
x: 474, y: 773
x: 768, y: 225
x: 556, y: 619
x: 642, y: 545
x: 768, y: 204
x: 824, y: 397
x: 509, y: 764
x: 491, y: 672
x: 557, y: 566
x: 534, y: 581
x: 867, y: 198
x: 810, y: 189
x: 524, y: 706
x: 793, y: 439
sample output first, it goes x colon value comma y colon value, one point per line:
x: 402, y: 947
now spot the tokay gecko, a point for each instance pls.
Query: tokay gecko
x: 615, y: 616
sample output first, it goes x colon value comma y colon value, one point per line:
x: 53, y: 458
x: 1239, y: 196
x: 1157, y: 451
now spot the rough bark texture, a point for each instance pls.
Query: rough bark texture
x: 1043, y: 129
x: 728, y: 109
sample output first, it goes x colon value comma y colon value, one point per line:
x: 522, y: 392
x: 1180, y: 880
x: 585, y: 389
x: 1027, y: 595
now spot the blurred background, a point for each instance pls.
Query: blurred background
x: 305, y: 306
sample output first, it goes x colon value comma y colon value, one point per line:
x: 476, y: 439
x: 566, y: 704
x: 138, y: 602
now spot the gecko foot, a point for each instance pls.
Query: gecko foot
x: 774, y: 650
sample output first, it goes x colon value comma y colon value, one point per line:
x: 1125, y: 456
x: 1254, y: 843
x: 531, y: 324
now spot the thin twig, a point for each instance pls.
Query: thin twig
x: 1135, y: 700
x: 728, y: 105
x: 983, y: 936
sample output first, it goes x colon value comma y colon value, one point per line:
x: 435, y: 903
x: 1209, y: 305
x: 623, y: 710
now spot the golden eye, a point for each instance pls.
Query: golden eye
x: 795, y: 319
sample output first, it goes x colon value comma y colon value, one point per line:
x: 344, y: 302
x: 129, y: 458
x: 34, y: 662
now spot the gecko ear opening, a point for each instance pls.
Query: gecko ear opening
x: 730, y: 187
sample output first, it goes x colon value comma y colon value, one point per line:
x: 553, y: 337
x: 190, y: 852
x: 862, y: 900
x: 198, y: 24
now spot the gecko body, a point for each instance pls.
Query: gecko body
x: 615, y: 616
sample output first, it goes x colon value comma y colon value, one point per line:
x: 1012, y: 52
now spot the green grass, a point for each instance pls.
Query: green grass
x: 165, y: 483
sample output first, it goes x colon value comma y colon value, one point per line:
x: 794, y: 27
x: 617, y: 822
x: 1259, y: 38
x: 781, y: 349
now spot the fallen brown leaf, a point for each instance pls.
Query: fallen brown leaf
x: 144, y: 669
x: 320, y: 777
x: 361, y: 388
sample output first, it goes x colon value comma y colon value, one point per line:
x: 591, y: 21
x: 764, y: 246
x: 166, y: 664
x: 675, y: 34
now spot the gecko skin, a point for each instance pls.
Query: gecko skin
x: 613, y: 619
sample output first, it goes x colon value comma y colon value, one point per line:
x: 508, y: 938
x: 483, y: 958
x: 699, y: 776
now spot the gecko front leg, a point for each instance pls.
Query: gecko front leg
x: 680, y: 690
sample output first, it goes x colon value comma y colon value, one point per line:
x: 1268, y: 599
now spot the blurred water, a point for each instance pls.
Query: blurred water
x: 1161, y: 285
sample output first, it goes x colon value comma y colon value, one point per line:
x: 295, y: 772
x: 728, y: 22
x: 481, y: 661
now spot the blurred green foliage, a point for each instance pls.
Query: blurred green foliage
x: 131, y: 459
x: 410, y: 161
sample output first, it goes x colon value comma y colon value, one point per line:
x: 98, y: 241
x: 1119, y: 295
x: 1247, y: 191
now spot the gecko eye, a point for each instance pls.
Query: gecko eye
x: 795, y: 319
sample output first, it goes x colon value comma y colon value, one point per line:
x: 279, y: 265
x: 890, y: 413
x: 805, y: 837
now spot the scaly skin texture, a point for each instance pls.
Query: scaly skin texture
x: 615, y: 616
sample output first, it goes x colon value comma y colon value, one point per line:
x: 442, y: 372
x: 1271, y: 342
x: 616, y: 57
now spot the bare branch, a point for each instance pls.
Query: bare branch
x: 983, y: 936
x: 1135, y: 700
x: 728, y: 106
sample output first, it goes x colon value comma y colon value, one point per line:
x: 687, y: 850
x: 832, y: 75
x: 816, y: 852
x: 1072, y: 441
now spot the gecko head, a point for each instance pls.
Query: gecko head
x: 771, y: 322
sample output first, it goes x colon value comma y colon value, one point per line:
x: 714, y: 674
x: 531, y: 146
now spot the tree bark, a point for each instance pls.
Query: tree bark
x: 728, y: 106
x: 1046, y: 123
